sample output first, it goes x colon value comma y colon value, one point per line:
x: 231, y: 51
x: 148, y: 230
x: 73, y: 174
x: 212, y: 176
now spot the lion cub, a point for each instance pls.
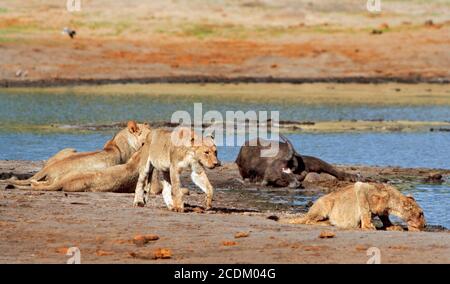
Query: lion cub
x: 355, y: 205
x: 171, y: 152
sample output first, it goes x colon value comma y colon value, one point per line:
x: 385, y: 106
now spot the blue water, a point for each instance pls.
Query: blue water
x: 428, y: 149
x: 70, y: 108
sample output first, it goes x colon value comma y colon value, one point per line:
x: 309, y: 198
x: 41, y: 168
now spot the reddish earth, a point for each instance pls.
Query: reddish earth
x: 309, y: 56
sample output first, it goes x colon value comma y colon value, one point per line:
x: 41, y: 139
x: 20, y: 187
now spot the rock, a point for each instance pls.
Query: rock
x: 159, y: 253
x: 229, y: 243
x: 162, y: 253
x: 327, y: 235
x: 273, y: 217
x: 361, y: 247
x: 317, y: 178
x: 429, y: 23
x: 141, y: 240
x: 376, y: 32
x: 434, y: 178
x: 103, y: 253
x: 241, y: 235
x: 151, y: 237
x: 62, y: 250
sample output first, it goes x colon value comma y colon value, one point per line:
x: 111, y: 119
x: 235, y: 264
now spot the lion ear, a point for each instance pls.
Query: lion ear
x: 210, y: 135
x: 132, y: 126
x: 410, y: 197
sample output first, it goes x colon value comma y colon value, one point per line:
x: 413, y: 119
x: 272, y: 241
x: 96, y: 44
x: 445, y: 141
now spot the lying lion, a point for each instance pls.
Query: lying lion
x: 355, y: 205
x: 116, y: 151
x: 119, y: 178
x: 170, y: 152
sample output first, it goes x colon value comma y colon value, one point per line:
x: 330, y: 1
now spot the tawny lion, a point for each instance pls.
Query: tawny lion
x: 170, y: 152
x: 116, y: 151
x: 119, y: 178
x: 355, y: 205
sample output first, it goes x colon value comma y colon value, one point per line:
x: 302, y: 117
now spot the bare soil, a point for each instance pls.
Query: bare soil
x: 194, y: 41
x: 38, y: 227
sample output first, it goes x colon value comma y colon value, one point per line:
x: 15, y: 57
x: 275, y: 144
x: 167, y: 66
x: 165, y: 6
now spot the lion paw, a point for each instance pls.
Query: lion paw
x: 139, y: 203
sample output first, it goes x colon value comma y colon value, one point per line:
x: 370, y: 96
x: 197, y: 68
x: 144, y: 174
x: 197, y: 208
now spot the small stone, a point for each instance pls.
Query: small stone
x: 159, y: 253
x: 377, y: 32
x: 229, y: 243
x: 326, y: 235
x: 361, y: 248
x: 62, y: 250
x: 241, y: 235
x: 141, y: 240
x: 162, y: 253
x: 103, y: 253
x: 151, y: 237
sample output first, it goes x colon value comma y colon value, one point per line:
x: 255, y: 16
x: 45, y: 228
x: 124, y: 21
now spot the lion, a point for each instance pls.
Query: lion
x: 119, y: 178
x: 170, y: 152
x: 355, y: 205
x: 116, y: 151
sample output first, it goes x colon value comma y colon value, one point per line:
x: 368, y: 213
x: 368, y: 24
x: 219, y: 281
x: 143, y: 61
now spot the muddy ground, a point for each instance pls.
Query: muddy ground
x: 38, y: 227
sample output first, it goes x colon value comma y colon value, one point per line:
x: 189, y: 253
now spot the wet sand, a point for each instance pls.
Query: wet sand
x: 38, y: 227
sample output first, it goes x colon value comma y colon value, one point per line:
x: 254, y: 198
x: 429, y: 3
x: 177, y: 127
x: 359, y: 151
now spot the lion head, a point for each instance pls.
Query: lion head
x: 206, y: 153
x: 139, y: 132
x: 412, y: 214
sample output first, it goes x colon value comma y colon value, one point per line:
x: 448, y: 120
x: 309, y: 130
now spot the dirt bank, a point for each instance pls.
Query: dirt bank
x: 223, y: 41
x: 39, y: 227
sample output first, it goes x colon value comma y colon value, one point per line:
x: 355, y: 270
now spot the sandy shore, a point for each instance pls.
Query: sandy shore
x: 39, y: 227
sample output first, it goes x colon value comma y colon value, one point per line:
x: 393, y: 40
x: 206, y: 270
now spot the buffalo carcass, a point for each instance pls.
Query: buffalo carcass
x: 286, y: 168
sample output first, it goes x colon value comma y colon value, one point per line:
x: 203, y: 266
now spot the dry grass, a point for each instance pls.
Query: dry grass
x: 308, y: 94
x: 213, y: 18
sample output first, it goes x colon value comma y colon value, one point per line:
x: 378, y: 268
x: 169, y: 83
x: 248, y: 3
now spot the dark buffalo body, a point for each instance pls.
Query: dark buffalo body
x: 287, y: 168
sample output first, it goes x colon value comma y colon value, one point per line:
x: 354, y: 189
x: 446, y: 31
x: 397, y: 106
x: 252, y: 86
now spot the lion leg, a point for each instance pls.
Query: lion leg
x: 45, y: 186
x: 365, y: 213
x: 155, y: 184
x: 23, y: 187
x: 36, y: 177
x: 139, y: 193
x: 18, y: 182
x: 64, y: 153
x: 308, y: 219
x: 167, y: 191
x: 200, y: 178
x: 177, y: 193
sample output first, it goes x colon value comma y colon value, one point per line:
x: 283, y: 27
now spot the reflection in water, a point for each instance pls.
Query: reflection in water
x: 44, y: 109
